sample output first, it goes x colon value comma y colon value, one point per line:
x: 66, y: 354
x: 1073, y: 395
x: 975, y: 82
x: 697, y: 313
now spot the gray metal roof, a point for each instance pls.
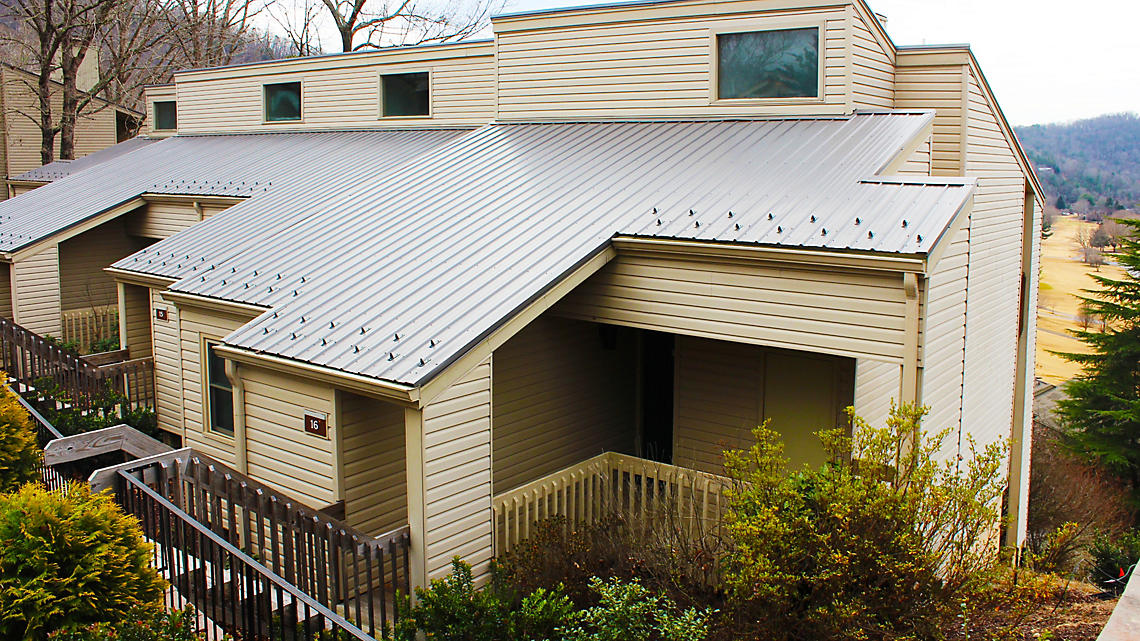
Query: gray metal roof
x: 394, y: 280
x: 64, y: 168
x: 235, y: 165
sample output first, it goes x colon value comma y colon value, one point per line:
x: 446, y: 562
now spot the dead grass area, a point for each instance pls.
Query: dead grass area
x: 1070, y: 612
x: 1063, y: 276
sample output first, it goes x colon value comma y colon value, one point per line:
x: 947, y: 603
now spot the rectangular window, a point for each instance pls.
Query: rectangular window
x: 404, y: 94
x: 782, y: 63
x: 221, y: 393
x: 165, y: 115
x: 283, y: 102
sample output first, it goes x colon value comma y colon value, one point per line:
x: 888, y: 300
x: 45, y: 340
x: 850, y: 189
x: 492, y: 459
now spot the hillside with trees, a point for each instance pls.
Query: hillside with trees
x: 1087, y: 164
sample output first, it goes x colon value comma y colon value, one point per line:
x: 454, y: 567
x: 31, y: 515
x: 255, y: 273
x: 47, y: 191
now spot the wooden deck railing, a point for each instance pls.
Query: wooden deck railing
x: 612, y: 484
x: 348, y: 572
x: 85, y: 326
x: 29, y: 358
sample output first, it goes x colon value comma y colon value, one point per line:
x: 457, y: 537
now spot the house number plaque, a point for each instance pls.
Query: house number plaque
x: 160, y: 313
x: 317, y: 424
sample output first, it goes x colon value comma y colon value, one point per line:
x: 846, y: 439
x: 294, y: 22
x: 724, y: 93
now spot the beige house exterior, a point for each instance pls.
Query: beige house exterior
x: 106, y: 125
x: 664, y: 345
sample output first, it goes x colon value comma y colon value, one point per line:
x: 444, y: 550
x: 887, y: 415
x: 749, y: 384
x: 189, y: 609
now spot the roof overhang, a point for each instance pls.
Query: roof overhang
x: 36, y: 246
x: 137, y: 278
x: 633, y: 245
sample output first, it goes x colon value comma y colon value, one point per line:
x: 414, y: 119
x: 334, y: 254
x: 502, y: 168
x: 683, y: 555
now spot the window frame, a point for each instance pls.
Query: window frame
x: 380, y: 93
x: 207, y: 405
x: 154, y: 109
x: 265, y: 103
x: 767, y: 25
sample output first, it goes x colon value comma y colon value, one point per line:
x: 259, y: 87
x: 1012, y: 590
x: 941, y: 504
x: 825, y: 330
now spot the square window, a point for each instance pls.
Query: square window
x: 283, y: 102
x: 405, y: 94
x: 781, y: 63
x: 165, y: 115
x: 221, y: 401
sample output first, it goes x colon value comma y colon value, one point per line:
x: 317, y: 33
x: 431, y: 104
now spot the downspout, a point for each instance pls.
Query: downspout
x: 237, y: 385
x: 909, y: 391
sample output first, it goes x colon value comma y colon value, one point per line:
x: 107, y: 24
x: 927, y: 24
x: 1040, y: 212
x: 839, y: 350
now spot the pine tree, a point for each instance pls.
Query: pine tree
x: 1102, y: 413
x: 1061, y: 204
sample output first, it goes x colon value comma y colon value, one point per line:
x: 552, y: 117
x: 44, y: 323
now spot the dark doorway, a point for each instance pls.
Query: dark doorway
x: 657, y: 396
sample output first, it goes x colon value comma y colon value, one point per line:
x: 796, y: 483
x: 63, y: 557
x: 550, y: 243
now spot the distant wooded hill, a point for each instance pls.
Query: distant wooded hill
x: 1096, y: 159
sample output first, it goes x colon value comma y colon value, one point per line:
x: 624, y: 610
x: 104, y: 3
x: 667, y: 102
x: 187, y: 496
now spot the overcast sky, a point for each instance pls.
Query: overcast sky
x: 1048, y: 61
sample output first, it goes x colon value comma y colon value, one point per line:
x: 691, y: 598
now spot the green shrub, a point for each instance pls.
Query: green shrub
x: 108, y: 410
x: 883, y: 542
x: 1113, y: 557
x: 628, y: 611
x: 142, y: 624
x: 69, y: 559
x: 19, y: 453
x: 452, y: 609
x: 105, y: 344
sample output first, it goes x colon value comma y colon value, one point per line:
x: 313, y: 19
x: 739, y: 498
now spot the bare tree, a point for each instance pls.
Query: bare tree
x: 364, y: 24
x: 1083, y: 238
x: 1094, y: 258
x: 1114, y: 232
x: 210, y: 33
x: 299, y: 22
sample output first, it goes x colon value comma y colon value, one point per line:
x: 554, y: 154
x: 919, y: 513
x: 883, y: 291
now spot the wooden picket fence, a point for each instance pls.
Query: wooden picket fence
x: 85, y: 326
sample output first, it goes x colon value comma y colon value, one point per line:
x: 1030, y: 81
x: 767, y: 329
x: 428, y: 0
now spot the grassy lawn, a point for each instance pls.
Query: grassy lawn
x: 1063, y: 276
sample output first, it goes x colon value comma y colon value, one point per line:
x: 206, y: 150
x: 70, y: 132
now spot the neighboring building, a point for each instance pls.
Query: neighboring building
x: 454, y: 271
x: 20, y: 139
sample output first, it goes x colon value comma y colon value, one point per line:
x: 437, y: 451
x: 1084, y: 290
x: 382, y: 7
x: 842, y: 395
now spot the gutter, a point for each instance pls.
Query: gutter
x: 139, y: 278
x: 403, y: 394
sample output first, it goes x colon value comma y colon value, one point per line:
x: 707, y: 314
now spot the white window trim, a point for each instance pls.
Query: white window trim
x: 266, y: 121
x: 207, y: 417
x: 380, y: 93
x: 767, y: 25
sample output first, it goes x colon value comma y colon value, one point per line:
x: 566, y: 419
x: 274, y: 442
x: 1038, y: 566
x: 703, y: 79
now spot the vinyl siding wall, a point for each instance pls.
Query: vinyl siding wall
x: 194, y: 325
x: 341, y: 92
x: 560, y: 397
x: 996, y: 227
x: 157, y: 94
x: 82, y: 259
x: 838, y: 311
x: 872, y: 66
x: 6, y: 290
x: 457, y: 474
x: 877, y: 384
x: 162, y: 219
x: 37, y: 303
x: 375, y: 482
x: 920, y: 162
x: 724, y: 390
x: 945, y: 332
x: 167, y: 362
x: 648, y: 62
x: 938, y: 87
x: 93, y: 131
x: 280, y: 452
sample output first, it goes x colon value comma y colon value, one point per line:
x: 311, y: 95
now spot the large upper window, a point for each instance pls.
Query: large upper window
x: 165, y: 115
x: 283, y: 102
x: 404, y: 94
x: 221, y: 394
x: 781, y: 63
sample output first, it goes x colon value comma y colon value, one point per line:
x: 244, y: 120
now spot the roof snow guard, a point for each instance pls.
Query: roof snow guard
x: 232, y: 165
x: 63, y: 168
x: 395, y: 280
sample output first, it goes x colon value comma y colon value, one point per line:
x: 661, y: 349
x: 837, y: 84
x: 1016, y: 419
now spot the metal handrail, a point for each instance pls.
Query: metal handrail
x: 35, y: 414
x: 278, y: 582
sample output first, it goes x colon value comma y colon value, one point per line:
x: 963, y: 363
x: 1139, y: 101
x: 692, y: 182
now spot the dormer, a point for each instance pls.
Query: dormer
x: 693, y: 58
x: 422, y: 86
x: 161, y: 111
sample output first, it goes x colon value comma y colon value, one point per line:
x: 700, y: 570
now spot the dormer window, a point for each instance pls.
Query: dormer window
x: 405, y: 94
x: 776, y: 63
x: 165, y: 115
x: 283, y: 102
